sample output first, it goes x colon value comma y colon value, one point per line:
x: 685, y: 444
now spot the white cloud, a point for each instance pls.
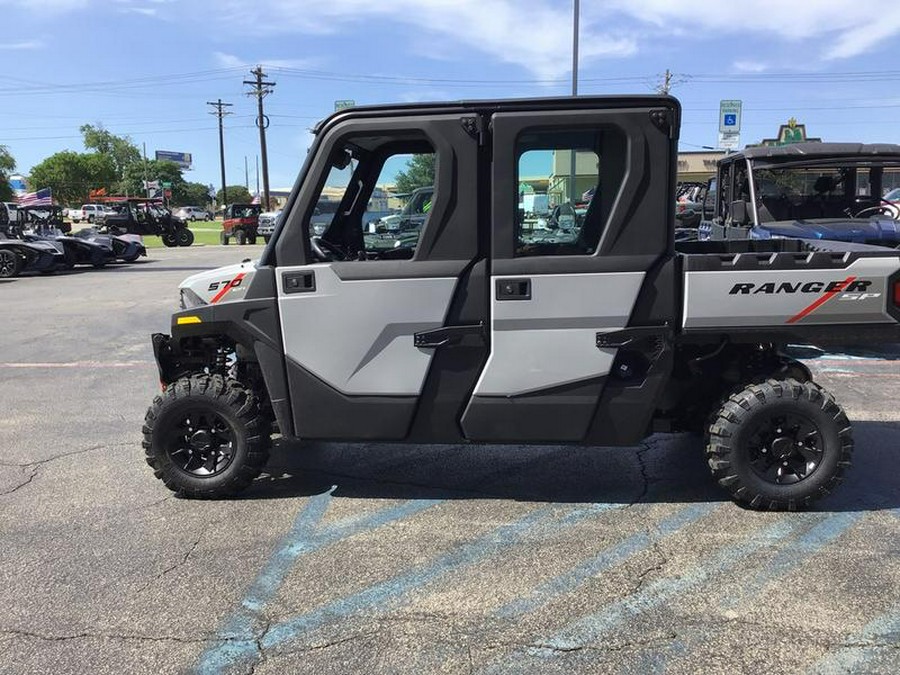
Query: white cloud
x: 833, y: 28
x: 226, y: 60
x: 20, y: 46
x: 748, y: 66
x: 538, y: 38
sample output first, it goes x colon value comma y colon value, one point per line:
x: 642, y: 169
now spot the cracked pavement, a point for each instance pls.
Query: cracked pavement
x: 451, y: 559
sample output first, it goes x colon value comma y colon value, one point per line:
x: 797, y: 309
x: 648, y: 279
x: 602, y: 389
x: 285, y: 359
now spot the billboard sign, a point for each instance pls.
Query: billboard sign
x: 182, y: 159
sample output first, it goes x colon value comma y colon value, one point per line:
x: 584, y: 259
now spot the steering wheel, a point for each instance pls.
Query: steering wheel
x: 885, y: 207
x: 324, y: 250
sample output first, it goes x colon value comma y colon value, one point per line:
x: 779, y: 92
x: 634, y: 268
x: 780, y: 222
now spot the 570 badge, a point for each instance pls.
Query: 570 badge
x: 224, y: 286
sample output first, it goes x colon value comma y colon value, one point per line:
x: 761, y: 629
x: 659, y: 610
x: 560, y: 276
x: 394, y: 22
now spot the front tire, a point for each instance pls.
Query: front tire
x: 779, y: 445
x: 10, y: 264
x: 223, y: 239
x: 169, y: 240
x: 240, y: 237
x: 205, y: 437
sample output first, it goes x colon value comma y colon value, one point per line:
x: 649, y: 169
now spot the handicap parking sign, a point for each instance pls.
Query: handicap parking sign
x: 730, y: 120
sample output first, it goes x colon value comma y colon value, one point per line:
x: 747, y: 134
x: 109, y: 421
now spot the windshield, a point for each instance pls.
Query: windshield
x: 893, y: 195
x: 804, y: 193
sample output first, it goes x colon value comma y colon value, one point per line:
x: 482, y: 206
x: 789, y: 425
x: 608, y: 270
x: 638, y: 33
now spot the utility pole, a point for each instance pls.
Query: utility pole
x: 220, y: 112
x: 261, y: 89
x: 146, y: 187
x: 573, y: 188
x: 666, y: 85
x: 246, y: 175
x: 257, y: 177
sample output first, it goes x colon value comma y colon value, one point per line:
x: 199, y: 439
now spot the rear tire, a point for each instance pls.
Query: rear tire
x: 779, y: 445
x: 184, y: 237
x: 169, y: 240
x: 240, y: 237
x: 251, y: 239
x: 223, y: 239
x: 205, y: 437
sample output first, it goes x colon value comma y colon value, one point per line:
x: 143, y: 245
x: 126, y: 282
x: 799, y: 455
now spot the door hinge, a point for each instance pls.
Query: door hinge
x: 474, y: 126
x: 663, y: 120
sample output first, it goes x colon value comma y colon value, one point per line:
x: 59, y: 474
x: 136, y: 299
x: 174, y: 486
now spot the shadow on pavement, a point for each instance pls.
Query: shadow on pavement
x: 665, y: 469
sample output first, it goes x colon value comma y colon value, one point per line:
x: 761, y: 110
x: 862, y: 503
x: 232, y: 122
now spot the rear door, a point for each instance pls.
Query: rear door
x: 388, y: 341
x: 557, y: 287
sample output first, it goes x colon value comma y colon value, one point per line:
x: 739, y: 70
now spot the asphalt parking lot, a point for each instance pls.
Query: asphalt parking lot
x: 407, y: 559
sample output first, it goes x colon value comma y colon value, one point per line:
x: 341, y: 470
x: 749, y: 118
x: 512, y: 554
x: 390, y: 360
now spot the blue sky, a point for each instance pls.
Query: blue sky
x: 146, y: 68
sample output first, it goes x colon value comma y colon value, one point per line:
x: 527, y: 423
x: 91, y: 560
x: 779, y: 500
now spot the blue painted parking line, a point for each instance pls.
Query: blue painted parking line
x: 614, y: 555
x: 865, y: 649
x: 238, y: 633
x: 390, y: 593
x: 793, y: 554
x: 590, y: 628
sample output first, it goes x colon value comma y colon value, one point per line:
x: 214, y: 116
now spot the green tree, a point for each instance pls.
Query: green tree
x: 237, y: 194
x: 72, y: 175
x: 165, y: 172
x: 191, y: 194
x: 121, y: 150
x: 7, y: 166
x: 419, y: 173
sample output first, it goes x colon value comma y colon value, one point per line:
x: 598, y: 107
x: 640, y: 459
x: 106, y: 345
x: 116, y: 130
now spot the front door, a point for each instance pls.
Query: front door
x: 383, y: 329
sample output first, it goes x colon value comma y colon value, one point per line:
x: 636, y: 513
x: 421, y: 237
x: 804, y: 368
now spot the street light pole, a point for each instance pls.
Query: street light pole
x: 573, y: 189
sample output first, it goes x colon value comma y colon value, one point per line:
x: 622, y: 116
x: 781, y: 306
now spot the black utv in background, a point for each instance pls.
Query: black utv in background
x: 146, y: 217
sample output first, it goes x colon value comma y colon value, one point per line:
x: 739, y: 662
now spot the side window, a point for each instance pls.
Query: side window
x: 375, y: 201
x: 563, y: 202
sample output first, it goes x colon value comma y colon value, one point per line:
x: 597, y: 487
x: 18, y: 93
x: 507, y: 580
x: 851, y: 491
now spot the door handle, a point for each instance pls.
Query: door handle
x: 299, y: 282
x: 513, y: 289
x: 448, y: 335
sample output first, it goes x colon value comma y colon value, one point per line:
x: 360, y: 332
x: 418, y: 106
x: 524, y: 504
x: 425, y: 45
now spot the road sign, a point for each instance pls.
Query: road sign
x: 344, y: 103
x: 729, y: 141
x: 166, y: 184
x: 730, y: 117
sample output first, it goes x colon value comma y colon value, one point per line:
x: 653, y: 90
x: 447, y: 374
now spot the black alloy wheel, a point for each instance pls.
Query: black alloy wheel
x: 201, y: 442
x: 9, y: 264
x: 784, y: 448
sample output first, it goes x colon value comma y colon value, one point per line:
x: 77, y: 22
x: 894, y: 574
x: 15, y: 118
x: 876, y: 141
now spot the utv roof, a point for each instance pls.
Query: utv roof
x: 797, y: 153
x: 507, y: 105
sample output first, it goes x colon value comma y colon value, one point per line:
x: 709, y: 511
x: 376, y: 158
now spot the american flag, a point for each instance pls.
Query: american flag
x: 40, y: 198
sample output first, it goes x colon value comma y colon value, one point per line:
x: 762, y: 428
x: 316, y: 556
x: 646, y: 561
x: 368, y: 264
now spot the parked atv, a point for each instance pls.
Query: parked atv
x: 241, y: 222
x: 126, y: 247
x: 18, y: 256
x: 146, y: 217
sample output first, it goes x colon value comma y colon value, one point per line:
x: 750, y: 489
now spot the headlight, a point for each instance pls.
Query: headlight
x: 189, y: 299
